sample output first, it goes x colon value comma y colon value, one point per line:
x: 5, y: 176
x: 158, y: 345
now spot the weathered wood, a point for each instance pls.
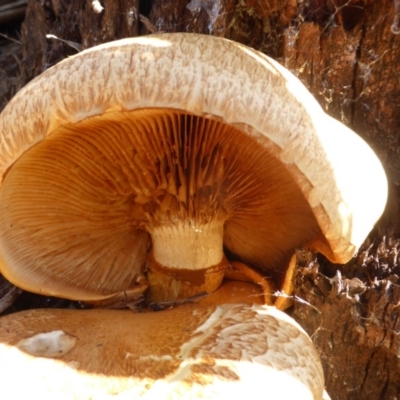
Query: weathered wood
x: 354, y: 322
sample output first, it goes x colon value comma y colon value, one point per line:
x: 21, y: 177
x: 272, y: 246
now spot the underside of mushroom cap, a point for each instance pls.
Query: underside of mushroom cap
x: 82, y: 206
x: 203, y: 78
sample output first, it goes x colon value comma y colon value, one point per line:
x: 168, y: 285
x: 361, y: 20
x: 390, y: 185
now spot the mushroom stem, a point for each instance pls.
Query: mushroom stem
x: 188, y: 244
x: 256, y: 277
x: 187, y: 258
x: 285, y: 299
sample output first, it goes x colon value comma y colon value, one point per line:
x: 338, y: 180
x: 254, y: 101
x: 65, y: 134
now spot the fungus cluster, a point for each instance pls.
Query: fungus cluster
x: 158, y: 159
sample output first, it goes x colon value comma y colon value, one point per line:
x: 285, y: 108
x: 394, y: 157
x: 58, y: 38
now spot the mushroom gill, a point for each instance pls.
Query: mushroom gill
x: 87, y: 203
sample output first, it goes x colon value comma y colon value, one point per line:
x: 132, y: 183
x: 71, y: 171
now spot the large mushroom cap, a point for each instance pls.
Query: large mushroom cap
x: 184, y: 142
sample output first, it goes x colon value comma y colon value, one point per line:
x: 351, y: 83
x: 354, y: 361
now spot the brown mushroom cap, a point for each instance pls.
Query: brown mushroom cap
x: 181, y: 137
x: 220, y: 351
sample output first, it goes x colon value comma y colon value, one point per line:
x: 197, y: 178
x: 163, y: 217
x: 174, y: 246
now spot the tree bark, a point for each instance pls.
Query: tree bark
x: 346, y: 52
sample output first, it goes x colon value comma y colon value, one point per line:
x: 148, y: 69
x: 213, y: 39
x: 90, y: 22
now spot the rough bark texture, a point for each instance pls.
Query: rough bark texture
x: 346, y: 52
x: 354, y: 321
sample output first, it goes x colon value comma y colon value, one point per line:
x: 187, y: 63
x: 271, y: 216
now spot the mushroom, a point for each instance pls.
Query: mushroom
x: 223, y: 350
x: 147, y: 163
x: 163, y: 154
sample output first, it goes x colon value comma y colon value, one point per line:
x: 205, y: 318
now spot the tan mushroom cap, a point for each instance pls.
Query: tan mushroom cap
x: 182, y: 136
x: 220, y: 352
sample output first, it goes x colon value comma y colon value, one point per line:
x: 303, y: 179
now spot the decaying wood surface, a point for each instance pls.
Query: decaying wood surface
x: 353, y: 315
x: 347, y: 53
